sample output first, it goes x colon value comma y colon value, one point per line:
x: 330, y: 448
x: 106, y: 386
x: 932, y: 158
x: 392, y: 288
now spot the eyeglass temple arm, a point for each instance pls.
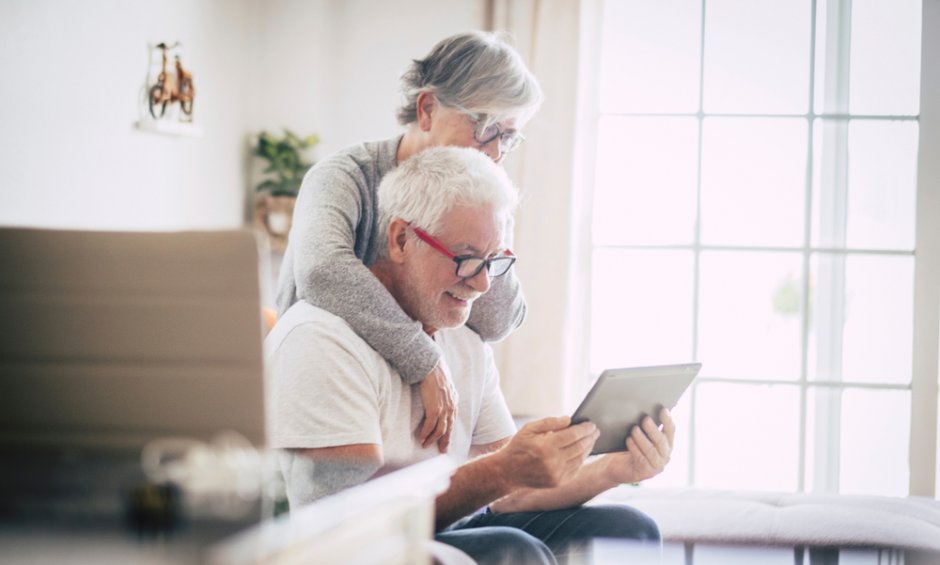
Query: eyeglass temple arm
x: 425, y: 237
x: 434, y: 243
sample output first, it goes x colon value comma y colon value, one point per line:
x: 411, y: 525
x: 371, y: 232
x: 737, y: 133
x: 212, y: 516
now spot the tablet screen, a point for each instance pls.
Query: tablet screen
x: 621, y: 397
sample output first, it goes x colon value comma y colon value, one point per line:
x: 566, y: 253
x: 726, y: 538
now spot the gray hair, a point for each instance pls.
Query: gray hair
x: 478, y: 71
x: 426, y: 186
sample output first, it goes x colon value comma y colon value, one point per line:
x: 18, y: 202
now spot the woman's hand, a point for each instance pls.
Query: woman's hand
x: 440, y: 408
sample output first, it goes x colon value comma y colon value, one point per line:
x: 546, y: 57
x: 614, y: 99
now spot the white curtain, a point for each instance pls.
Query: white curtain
x: 543, y: 364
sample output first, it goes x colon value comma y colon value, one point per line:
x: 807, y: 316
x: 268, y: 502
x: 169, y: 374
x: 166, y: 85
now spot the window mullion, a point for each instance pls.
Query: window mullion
x: 807, y: 245
x: 828, y: 305
x: 697, y: 241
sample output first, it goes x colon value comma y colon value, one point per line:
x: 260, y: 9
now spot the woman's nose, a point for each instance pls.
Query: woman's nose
x: 493, y: 149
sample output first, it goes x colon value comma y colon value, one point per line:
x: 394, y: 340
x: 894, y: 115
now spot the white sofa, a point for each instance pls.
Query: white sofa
x: 911, y: 524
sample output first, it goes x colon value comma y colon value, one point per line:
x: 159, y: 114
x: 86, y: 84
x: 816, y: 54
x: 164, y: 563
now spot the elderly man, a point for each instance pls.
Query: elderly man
x: 338, y: 415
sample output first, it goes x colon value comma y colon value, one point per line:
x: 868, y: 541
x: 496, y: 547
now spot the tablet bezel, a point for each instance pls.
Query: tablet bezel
x: 621, y: 397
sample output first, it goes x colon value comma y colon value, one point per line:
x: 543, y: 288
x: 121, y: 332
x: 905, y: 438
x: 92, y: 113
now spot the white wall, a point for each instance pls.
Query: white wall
x: 347, y: 56
x: 73, y: 72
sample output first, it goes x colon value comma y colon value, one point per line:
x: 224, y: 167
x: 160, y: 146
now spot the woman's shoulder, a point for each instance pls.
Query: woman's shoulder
x: 362, y: 166
x: 370, y: 158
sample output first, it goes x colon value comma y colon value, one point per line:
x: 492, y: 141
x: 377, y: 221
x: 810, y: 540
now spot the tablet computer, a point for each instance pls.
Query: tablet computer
x: 621, y: 397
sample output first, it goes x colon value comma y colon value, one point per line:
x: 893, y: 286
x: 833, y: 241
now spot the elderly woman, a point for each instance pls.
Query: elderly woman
x: 472, y: 90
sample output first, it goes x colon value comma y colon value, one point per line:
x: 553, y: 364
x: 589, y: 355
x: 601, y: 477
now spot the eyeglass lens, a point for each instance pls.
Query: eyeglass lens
x: 507, y: 140
x: 468, y: 267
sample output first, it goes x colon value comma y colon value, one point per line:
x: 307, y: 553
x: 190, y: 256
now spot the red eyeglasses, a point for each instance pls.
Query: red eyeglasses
x: 468, y: 266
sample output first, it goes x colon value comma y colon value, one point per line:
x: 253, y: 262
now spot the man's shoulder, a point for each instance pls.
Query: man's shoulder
x: 301, y: 313
x: 313, y: 324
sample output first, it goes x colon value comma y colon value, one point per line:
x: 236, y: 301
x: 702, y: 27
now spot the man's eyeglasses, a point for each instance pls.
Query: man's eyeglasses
x: 484, y: 133
x: 469, y: 266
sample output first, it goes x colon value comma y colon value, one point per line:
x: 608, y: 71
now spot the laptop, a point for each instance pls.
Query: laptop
x: 110, y: 341
x: 117, y: 338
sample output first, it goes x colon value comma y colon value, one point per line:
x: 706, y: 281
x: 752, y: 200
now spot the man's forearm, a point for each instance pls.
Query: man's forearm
x: 473, y: 486
x: 546, y: 457
x: 591, y: 480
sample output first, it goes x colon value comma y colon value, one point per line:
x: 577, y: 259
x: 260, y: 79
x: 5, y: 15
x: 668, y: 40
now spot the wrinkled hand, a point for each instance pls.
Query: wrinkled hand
x: 648, y: 451
x: 548, y: 452
x: 440, y: 408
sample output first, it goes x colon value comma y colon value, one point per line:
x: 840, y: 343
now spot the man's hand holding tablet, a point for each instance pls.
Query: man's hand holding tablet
x: 648, y: 449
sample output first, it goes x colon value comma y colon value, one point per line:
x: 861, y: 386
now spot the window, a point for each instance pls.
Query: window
x: 754, y: 205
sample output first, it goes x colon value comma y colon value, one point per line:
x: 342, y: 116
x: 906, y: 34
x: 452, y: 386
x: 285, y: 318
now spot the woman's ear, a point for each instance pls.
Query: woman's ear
x: 426, y: 106
x: 397, y: 237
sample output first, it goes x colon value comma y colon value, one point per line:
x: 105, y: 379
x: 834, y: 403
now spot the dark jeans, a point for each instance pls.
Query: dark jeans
x: 547, y: 537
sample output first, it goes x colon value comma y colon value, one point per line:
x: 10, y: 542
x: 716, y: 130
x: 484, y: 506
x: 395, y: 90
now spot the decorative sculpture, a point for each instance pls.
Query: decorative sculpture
x: 172, y: 86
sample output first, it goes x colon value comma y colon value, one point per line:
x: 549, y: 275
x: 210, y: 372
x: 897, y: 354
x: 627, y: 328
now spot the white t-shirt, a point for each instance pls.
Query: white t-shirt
x: 327, y: 387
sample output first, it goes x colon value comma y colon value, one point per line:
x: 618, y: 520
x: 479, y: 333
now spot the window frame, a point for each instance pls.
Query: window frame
x: 923, y: 448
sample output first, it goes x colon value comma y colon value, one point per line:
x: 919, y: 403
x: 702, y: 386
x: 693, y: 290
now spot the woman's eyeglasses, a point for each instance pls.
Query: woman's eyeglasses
x: 484, y: 133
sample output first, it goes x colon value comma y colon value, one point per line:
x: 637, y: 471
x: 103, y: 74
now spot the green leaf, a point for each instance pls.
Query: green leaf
x: 266, y: 185
x: 286, y: 166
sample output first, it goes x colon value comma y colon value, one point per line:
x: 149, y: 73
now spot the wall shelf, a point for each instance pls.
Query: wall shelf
x: 180, y: 129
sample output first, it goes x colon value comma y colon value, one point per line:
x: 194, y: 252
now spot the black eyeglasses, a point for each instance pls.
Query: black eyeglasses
x: 484, y: 133
x: 469, y: 266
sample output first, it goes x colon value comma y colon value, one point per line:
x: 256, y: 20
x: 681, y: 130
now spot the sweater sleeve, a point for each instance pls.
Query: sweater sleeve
x: 328, y: 274
x: 500, y: 311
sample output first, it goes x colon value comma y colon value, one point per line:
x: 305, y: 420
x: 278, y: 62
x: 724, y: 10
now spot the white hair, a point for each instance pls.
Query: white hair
x: 425, y: 187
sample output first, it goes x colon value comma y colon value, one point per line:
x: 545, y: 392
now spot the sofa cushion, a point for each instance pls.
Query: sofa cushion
x: 734, y: 517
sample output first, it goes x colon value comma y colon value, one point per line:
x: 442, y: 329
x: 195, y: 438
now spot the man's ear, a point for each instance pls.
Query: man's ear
x: 426, y: 106
x: 397, y: 237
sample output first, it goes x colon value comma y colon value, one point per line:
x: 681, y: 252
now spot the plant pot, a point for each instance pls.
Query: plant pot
x: 274, y: 215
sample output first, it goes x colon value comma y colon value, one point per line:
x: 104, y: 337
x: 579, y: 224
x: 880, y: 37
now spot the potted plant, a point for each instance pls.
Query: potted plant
x: 277, y: 191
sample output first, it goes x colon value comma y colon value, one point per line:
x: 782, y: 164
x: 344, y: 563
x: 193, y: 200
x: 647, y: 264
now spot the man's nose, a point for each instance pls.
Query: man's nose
x: 480, y: 282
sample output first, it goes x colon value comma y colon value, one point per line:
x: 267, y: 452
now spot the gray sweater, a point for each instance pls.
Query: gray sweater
x: 332, y: 242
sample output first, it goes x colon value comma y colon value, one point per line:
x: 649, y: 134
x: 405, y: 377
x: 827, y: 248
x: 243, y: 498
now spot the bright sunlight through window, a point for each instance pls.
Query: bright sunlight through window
x: 754, y: 207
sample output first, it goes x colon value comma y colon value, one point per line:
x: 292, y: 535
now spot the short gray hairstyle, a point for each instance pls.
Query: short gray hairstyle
x: 423, y: 188
x: 478, y: 71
